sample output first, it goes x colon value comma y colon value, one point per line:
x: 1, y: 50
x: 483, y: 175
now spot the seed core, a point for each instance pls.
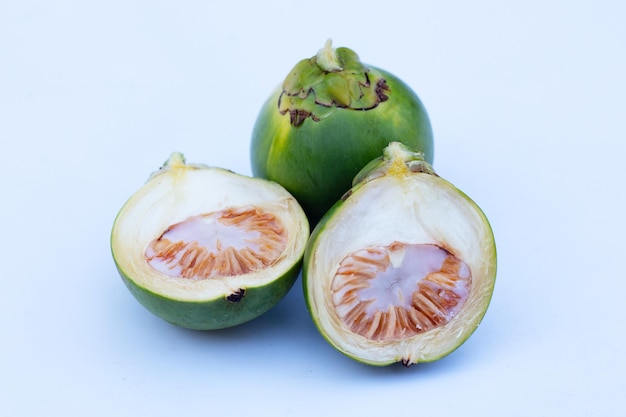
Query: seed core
x: 234, y: 241
x: 398, y: 291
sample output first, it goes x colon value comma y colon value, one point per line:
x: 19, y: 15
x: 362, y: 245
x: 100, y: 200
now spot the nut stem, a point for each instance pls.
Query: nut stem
x: 327, y: 59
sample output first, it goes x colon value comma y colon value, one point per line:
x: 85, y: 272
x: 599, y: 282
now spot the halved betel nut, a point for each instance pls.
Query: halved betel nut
x: 403, y: 267
x: 206, y: 248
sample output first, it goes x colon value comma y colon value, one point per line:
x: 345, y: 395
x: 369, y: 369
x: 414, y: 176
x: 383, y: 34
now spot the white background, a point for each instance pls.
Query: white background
x: 528, y: 105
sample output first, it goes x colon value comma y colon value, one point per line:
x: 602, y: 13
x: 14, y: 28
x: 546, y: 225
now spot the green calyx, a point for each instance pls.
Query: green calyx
x: 334, y: 78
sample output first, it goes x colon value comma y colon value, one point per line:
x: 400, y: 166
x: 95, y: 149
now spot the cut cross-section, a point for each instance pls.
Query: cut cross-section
x: 397, y: 291
x: 230, y: 242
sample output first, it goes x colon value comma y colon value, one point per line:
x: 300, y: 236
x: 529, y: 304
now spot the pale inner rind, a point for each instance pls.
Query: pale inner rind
x: 426, y: 210
x: 173, y: 198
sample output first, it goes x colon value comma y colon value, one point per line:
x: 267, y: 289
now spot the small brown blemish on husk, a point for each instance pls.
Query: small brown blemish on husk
x: 236, y: 296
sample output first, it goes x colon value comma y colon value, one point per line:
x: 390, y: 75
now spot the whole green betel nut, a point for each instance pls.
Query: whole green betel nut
x: 331, y: 116
x: 205, y: 248
x: 403, y: 267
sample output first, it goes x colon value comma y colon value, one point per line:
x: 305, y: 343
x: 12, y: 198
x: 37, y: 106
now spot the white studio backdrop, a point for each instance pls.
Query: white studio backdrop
x: 527, y: 102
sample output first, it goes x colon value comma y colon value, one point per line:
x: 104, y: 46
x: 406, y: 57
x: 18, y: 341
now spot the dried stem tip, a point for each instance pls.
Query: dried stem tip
x: 327, y: 58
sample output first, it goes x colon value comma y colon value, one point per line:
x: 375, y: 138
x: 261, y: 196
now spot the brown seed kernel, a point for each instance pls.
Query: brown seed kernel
x: 230, y: 242
x: 423, y: 289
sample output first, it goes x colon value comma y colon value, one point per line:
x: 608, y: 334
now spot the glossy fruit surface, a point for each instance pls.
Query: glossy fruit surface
x: 402, y: 269
x: 330, y: 117
x: 206, y: 248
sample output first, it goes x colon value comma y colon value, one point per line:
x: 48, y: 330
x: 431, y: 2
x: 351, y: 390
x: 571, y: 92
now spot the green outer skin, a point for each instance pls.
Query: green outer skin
x: 218, y: 313
x: 317, y: 161
x: 320, y: 229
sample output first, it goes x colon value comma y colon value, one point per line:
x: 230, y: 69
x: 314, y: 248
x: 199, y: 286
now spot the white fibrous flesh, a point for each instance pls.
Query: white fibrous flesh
x: 196, y: 233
